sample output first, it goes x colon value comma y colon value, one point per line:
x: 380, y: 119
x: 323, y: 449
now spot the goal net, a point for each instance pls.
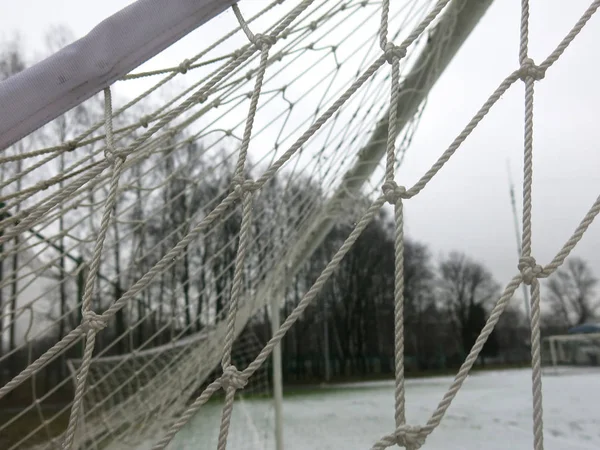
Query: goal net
x: 572, y: 350
x: 175, y: 202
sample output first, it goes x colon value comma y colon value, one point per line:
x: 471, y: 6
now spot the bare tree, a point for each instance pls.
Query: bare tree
x: 466, y: 287
x: 513, y: 333
x: 12, y: 61
x: 57, y: 132
x: 420, y: 312
x: 572, y: 294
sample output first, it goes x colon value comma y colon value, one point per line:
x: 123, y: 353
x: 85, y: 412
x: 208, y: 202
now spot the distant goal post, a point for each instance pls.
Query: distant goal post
x: 572, y: 350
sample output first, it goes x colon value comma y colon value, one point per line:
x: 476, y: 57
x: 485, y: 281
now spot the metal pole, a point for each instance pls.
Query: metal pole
x: 518, y: 235
x: 326, y: 344
x: 81, y: 276
x: 553, y: 352
x: 445, y: 40
x: 277, y: 374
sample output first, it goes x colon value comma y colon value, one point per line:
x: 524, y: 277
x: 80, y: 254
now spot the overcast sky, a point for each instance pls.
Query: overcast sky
x: 466, y: 207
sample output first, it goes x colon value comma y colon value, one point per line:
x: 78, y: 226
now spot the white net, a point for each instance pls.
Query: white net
x: 572, y: 350
x: 157, y: 234
x: 125, y: 393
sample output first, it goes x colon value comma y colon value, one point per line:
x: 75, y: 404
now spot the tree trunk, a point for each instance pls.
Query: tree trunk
x: 2, y: 217
x: 145, y: 301
x: 120, y: 316
x: 62, y: 289
x: 81, y: 277
x: 186, y: 291
x: 141, y: 312
x: 161, y: 296
x: 14, y: 284
x: 15, y: 269
x: 201, y: 291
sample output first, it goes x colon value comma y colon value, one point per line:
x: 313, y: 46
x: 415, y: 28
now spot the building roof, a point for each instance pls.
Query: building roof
x: 585, y: 328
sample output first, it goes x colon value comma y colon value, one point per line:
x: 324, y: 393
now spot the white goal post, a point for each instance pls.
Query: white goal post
x: 181, y: 218
x: 576, y: 350
x: 114, y: 48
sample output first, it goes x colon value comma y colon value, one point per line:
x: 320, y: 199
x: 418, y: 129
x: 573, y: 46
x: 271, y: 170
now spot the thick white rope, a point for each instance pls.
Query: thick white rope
x: 394, y: 194
x: 414, y: 437
x: 530, y: 270
x: 231, y: 380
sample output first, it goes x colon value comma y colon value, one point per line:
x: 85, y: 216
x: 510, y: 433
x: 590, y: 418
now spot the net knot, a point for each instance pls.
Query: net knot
x: 393, y: 192
x: 241, y: 185
x: 529, y: 69
x: 232, y: 378
x: 113, y: 155
x: 409, y: 437
x: 45, y: 184
x: 393, y: 51
x: 263, y: 41
x: 70, y: 146
x: 92, y: 321
x: 144, y: 121
x: 529, y: 269
x: 184, y: 66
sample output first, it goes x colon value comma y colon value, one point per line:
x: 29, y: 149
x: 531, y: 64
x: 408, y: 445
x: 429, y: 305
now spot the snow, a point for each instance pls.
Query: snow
x: 492, y: 411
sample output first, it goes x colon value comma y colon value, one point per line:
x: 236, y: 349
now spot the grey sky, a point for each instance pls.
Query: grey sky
x: 466, y: 207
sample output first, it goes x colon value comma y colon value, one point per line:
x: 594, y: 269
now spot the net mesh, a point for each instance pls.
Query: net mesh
x: 138, y: 246
x: 571, y: 350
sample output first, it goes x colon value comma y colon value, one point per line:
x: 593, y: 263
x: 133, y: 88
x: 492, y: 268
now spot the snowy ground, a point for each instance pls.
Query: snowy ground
x: 492, y: 412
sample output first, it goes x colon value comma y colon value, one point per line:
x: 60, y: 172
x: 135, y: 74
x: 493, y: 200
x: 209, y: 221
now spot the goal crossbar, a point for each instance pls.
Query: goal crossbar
x: 574, y: 337
x: 116, y: 46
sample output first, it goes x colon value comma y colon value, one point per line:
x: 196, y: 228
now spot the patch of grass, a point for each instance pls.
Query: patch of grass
x: 19, y: 416
x: 29, y: 421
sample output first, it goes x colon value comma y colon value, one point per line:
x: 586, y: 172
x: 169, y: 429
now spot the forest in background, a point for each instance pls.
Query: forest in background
x: 347, y: 333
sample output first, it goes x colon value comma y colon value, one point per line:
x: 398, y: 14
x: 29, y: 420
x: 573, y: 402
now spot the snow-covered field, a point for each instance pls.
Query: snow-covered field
x: 492, y: 412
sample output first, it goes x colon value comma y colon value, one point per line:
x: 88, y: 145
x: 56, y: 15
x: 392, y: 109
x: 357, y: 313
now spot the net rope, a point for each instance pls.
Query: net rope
x: 118, y: 152
x: 156, y: 410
